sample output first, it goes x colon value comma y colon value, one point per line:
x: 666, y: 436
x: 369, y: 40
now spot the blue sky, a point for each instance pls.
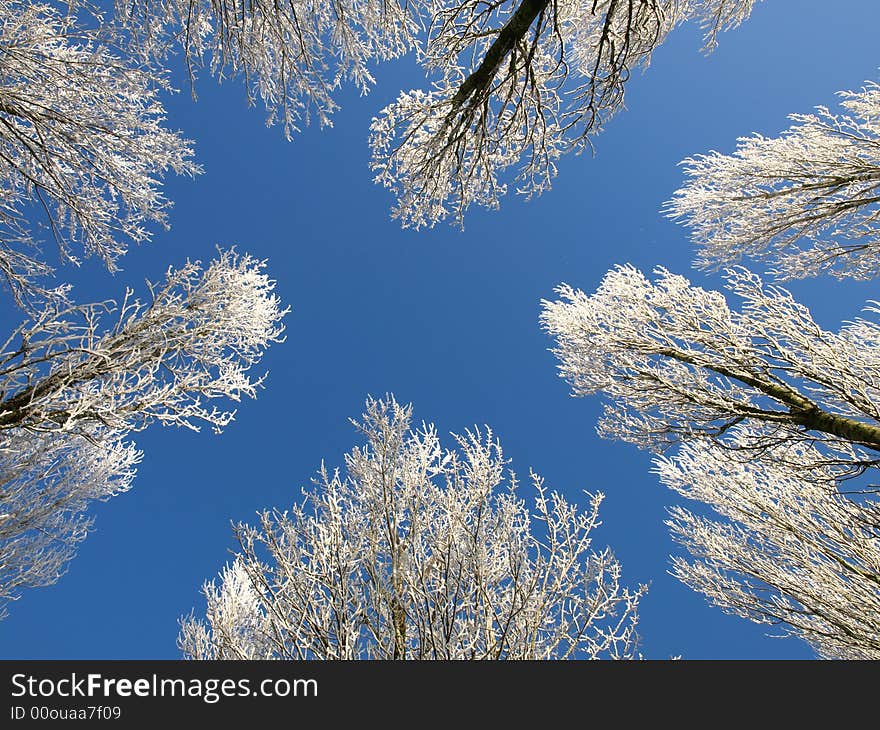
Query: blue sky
x: 445, y: 319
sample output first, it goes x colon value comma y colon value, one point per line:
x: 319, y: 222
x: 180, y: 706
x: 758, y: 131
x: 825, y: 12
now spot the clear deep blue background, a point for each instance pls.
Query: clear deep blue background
x: 445, y: 319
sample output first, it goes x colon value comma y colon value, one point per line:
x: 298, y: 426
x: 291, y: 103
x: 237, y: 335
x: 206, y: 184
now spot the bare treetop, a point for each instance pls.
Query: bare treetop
x: 82, y: 146
x: 677, y: 362
x: 777, y: 424
x: 790, y: 550
x: 418, y: 552
x: 517, y: 86
x: 807, y: 201
x: 514, y: 84
x: 194, y: 340
x: 48, y: 481
x: 75, y: 381
x: 293, y: 56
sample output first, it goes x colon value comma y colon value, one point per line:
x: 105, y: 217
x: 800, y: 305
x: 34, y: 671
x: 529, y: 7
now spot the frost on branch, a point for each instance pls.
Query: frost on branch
x: 82, y: 147
x: 790, y: 549
x: 717, y: 16
x: 676, y: 362
x: 75, y: 381
x: 778, y: 431
x: 516, y: 83
x: 124, y: 366
x: 47, y: 481
x: 517, y: 86
x: 807, y: 201
x: 418, y: 552
x: 293, y: 56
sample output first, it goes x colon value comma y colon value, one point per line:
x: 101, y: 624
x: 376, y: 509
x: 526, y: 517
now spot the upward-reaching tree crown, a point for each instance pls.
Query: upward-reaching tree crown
x: 776, y: 419
x: 82, y: 145
x: 418, y: 552
x: 75, y: 381
x: 807, y: 202
x: 514, y: 84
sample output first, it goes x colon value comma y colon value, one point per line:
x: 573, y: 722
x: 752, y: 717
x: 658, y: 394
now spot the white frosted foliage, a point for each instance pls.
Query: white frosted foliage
x: 48, y: 482
x: 83, y: 148
x: 790, y: 550
x: 293, y: 56
x: 77, y: 380
x: 777, y: 426
x: 418, y: 552
x: 676, y: 362
x: 806, y: 201
x: 513, y: 85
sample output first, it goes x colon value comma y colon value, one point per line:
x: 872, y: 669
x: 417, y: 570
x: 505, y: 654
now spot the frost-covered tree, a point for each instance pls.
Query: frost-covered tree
x: 777, y: 421
x: 807, y: 201
x: 790, y: 550
x: 293, y: 56
x: 77, y: 380
x: 418, y: 552
x: 514, y: 83
x: 799, y: 540
x: 515, y: 86
x: 677, y: 362
x: 47, y: 482
x: 82, y: 146
x: 125, y: 366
